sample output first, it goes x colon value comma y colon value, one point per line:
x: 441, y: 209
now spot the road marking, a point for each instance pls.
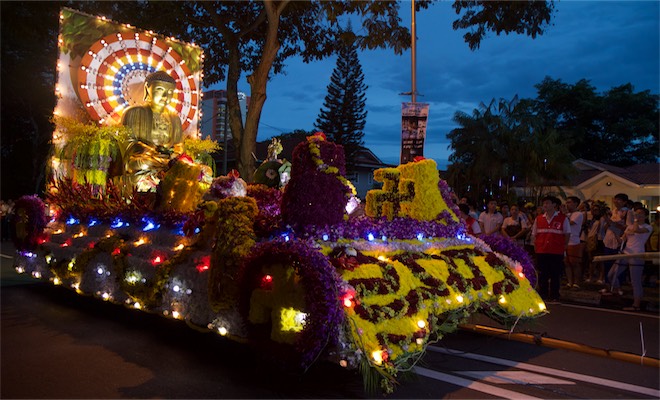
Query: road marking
x: 472, y: 385
x: 551, y: 371
x: 514, y: 377
x: 6, y: 256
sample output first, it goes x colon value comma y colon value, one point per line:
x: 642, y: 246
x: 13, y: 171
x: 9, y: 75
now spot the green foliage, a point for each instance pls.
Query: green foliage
x: 618, y: 127
x: 501, y: 144
x: 201, y: 149
x: 481, y: 16
x: 79, y: 32
x: 343, y: 115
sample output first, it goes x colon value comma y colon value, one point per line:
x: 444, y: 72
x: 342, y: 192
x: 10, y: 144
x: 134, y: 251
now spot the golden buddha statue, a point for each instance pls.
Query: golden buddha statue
x: 156, y: 134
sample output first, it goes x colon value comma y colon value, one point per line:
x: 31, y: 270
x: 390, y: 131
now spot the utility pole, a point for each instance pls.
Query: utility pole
x: 413, y: 45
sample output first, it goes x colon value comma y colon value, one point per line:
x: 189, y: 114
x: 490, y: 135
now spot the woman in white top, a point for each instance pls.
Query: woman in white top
x: 635, y: 237
x: 515, y: 226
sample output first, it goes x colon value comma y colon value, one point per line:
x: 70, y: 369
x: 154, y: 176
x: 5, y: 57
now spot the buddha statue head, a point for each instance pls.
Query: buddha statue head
x: 158, y: 90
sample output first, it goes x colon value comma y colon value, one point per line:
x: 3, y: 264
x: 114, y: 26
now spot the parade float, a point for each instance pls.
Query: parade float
x: 285, y: 263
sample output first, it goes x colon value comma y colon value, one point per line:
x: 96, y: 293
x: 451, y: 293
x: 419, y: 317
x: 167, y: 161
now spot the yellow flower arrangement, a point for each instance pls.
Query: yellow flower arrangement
x: 409, y: 190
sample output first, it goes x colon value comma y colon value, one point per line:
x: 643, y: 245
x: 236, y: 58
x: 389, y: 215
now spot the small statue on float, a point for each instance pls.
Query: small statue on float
x: 273, y: 172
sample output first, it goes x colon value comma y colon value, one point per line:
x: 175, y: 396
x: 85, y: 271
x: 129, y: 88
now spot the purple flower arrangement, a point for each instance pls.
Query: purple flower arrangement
x: 320, y: 281
x: 315, y: 195
x: 364, y: 227
x: 511, y: 249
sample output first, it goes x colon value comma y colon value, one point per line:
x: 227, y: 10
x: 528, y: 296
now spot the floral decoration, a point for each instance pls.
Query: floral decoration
x: 320, y: 283
x: 510, y: 248
x: 316, y: 193
x: 29, y: 222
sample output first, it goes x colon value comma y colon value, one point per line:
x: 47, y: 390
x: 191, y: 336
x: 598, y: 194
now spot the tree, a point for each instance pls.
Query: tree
x: 501, y: 144
x: 343, y: 115
x: 29, y: 59
x: 619, y: 127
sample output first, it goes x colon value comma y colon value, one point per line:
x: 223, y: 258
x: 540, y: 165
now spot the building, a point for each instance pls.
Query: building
x: 598, y: 181
x: 214, y: 111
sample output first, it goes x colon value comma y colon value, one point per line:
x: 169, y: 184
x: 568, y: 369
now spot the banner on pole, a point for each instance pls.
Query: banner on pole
x: 413, y: 130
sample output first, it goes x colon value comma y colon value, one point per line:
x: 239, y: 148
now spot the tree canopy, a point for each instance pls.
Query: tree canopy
x: 618, y: 127
x: 502, y: 144
x: 534, y: 141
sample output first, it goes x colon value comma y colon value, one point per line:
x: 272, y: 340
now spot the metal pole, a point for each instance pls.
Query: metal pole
x: 413, y: 31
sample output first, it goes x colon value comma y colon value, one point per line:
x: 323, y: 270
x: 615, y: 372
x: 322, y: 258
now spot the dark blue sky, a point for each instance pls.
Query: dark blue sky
x: 609, y: 43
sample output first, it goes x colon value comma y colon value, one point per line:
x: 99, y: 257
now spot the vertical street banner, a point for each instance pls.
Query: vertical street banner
x: 413, y: 130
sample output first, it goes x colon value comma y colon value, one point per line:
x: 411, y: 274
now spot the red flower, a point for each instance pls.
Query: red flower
x: 419, y: 158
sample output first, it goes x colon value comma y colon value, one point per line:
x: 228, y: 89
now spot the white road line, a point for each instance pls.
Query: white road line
x: 551, y: 371
x: 514, y: 377
x: 472, y: 385
x: 6, y: 256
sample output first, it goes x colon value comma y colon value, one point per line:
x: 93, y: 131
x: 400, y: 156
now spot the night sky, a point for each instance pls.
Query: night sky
x: 609, y: 43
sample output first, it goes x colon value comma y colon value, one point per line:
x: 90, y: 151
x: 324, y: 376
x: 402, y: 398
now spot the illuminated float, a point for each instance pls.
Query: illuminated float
x: 282, y: 264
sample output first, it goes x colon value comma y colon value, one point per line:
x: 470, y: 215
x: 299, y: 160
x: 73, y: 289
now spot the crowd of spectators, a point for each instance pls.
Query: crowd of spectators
x: 564, y: 237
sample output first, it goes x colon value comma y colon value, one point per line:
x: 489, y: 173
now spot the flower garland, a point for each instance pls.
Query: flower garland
x: 320, y: 283
x: 315, y: 150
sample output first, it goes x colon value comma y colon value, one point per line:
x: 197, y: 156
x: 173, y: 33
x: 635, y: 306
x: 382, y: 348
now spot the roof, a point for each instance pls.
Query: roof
x: 641, y: 174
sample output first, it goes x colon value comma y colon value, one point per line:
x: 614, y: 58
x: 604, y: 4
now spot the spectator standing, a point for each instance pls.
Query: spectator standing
x: 491, y: 220
x: 471, y: 223
x: 635, y: 237
x: 614, y: 226
x: 575, y: 247
x: 505, y: 210
x: 594, y: 245
x: 515, y: 226
x: 551, y: 231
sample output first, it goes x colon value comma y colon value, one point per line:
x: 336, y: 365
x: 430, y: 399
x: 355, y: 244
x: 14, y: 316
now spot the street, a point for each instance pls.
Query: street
x: 57, y: 344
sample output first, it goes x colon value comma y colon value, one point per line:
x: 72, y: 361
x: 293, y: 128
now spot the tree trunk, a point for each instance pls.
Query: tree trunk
x: 258, y: 80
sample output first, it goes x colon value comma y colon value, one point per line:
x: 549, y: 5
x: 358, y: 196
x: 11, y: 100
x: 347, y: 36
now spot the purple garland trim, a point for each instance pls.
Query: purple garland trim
x: 376, y: 228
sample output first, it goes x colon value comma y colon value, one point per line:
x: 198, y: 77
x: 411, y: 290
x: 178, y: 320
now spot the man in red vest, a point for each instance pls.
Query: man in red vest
x: 551, y: 232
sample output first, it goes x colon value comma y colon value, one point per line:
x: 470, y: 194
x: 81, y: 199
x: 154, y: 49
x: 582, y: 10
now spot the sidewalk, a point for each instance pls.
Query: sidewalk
x: 588, y: 294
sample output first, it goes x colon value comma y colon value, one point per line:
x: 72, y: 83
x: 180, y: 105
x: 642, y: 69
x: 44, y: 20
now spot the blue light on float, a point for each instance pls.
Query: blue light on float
x: 384, y: 238
x: 326, y: 237
x: 420, y: 236
x: 72, y: 221
x: 370, y: 237
x: 197, y: 230
x: 149, y: 225
x: 117, y: 223
x: 179, y: 230
x: 92, y: 222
